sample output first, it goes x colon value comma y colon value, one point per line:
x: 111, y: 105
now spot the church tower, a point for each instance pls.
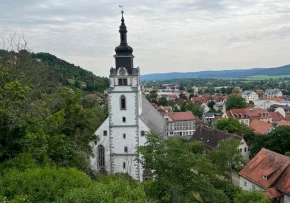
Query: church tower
x: 130, y: 116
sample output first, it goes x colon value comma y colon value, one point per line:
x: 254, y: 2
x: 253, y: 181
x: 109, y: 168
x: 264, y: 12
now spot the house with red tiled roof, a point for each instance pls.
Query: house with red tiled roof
x: 268, y: 171
x: 180, y: 123
x: 246, y: 116
x: 164, y: 109
x: 283, y: 123
x: 276, y: 117
x: 276, y: 99
x: 261, y: 127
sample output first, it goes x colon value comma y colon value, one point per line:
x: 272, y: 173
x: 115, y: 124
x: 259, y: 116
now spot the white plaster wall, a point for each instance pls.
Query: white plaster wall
x: 134, y: 81
x: 140, y: 100
x: 119, y: 142
x: 112, y: 82
x: 131, y: 165
x: 281, y: 111
x: 245, y: 121
x: 264, y: 104
x: 105, y: 141
x: 128, y: 113
x: 286, y: 198
x: 243, y: 146
x: 142, y: 141
x: 249, y: 184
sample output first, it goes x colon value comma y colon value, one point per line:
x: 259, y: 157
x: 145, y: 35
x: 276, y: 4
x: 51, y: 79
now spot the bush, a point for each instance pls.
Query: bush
x: 42, y: 184
x: 112, y: 188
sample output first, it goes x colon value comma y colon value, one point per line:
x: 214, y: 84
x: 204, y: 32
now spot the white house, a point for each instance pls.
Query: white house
x: 250, y: 95
x: 130, y: 117
x: 269, y: 172
x: 272, y: 93
x: 220, y: 106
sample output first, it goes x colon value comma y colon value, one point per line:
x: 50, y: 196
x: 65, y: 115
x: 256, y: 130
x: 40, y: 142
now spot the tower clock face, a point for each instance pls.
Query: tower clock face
x: 122, y: 71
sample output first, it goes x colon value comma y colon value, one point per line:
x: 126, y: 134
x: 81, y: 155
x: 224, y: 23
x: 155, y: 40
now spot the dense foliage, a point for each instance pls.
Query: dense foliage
x: 40, y: 117
x: 71, y: 75
x: 235, y: 102
x: 277, y: 141
x: 233, y: 126
x: 182, y: 172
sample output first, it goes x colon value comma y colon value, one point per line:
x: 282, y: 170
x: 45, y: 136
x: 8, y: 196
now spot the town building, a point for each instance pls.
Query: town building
x: 180, y: 123
x: 208, y: 118
x: 260, y: 94
x: 272, y: 93
x: 130, y: 117
x: 261, y: 127
x: 250, y: 95
x: 211, y: 138
x: 245, y: 116
x: 269, y: 172
x: 220, y: 106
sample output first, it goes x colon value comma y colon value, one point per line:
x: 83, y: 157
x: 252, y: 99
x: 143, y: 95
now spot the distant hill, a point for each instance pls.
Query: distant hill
x: 71, y: 75
x: 241, y: 73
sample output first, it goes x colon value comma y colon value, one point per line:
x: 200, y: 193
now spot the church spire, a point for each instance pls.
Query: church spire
x: 124, y: 56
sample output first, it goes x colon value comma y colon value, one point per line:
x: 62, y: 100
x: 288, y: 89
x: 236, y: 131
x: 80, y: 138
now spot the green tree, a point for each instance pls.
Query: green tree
x: 235, y: 102
x: 211, y: 90
x: 251, y: 197
x: 277, y: 141
x: 163, y: 101
x: 194, y: 108
x: 174, y: 163
x: 182, y: 96
x: 233, y: 126
x: 227, y: 157
x: 210, y: 104
x: 190, y: 90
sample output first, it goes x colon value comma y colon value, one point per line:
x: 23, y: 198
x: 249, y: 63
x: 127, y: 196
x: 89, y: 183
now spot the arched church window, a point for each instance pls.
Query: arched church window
x: 123, y: 102
x: 101, y: 157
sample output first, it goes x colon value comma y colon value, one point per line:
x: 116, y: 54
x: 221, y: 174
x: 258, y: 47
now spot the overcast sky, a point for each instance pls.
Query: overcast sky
x: 166, y: 35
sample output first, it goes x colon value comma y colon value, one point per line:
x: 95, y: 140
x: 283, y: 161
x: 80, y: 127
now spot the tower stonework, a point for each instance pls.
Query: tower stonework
x: 130, y: 117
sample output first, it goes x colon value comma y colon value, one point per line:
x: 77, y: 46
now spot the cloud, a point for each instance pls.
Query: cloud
x: 167, y: 36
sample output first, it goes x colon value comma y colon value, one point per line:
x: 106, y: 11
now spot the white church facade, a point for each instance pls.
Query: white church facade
x: 130, y: 117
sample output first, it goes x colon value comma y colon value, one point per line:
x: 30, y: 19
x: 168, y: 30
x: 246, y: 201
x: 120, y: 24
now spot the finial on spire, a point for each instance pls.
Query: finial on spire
x: 122, y: 12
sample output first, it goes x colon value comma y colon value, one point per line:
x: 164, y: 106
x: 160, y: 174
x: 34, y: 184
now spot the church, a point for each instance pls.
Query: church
x: 130, y: 116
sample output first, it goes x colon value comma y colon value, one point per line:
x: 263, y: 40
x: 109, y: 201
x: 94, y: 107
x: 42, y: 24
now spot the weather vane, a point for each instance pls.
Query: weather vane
x: 121, y: 8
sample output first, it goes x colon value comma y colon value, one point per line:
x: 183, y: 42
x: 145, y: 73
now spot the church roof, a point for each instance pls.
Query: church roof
x: 151, y: 117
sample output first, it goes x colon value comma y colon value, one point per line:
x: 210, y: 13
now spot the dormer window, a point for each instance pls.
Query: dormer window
x: 265, y: 177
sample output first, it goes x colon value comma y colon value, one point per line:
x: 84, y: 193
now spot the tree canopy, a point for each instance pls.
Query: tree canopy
x: 233, y: 126
x: 235, y: 102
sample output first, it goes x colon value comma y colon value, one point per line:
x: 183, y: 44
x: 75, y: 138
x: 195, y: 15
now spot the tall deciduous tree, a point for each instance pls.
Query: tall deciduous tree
x: 180, y: 174
x: 227, y: 156
x: 235, y: 102
x: 210, y: 104
x: 277, y: 141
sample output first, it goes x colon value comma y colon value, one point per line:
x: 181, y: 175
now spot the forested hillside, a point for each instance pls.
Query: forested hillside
x: 238, y: 73
x: 70, y: 75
